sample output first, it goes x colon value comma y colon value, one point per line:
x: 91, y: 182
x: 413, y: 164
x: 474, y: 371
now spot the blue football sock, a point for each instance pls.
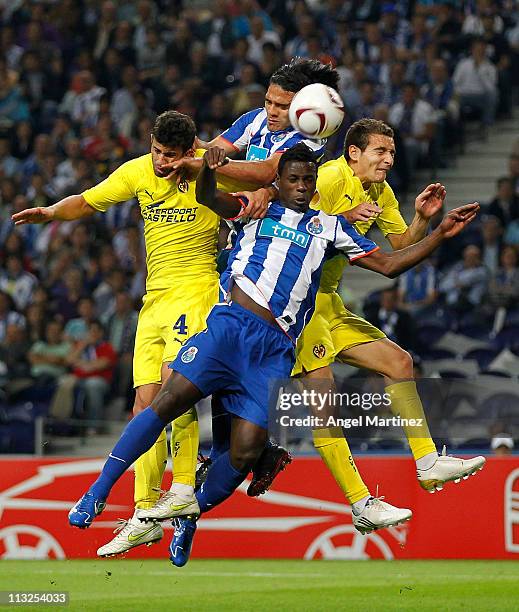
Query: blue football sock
x: 221, y: 426
x: 139, y: 435
x: 222, y: 480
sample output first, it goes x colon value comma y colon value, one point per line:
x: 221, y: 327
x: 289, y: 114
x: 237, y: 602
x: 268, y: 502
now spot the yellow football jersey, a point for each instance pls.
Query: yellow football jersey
x: 180, y: 234
x: 339, y: 190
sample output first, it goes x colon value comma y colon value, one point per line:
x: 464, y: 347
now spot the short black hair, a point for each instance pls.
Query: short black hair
x: 174, y: 129
x: 300, y: 72
x: 298, y: 153
x: 359, y: 133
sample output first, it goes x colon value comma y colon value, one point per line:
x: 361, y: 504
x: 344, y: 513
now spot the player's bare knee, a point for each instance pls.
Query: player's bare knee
x: 400, y: 366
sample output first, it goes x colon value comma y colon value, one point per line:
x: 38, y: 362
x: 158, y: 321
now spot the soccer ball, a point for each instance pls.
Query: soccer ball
x: 316, y: 111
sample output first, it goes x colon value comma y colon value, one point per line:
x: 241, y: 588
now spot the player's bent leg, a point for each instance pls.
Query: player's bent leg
x: 395, y: 364
x: 225, y: 474
x: 221, y: 428
x: 333, y: 447
x: 150, y: 467
x: 138, y: 437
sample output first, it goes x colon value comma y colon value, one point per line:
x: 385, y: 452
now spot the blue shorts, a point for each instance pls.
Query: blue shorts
x: 237, y: 356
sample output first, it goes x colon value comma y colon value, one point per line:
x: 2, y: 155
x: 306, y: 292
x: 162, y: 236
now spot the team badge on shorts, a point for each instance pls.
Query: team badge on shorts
x: 189, y: 355
x: 314, y: 226
x: 319, y: 351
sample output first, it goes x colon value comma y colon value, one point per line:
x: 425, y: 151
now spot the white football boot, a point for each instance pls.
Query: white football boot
x: 131, y: 533
x: 169, y: 505
x: 447, y: 469
x: 378, y: 514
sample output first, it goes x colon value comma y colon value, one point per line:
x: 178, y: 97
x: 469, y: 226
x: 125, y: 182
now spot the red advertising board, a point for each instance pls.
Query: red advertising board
x: 304, y: 516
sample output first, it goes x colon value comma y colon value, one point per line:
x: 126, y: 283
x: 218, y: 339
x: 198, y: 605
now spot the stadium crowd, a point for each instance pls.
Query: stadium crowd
x: 80, y: 86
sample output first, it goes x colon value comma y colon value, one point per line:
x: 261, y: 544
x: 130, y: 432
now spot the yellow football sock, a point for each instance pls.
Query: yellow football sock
x: 406, y: 403
x: 149, y: 470
x: 335, y: 452
x: 184, y: 447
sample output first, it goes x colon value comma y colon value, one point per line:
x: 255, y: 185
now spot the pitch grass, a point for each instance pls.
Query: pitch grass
x: 208, y: 585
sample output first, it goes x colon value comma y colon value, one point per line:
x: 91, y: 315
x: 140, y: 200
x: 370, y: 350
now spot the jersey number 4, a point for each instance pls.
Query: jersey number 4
x: 180, y: 326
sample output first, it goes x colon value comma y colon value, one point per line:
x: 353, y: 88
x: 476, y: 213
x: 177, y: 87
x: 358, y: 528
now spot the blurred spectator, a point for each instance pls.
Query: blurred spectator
x: 258, y: 37
x: 8, y: 315
x: 513, y: 165
x: 9, y: 165
x: 68, y: 291
x: 368, y: 100
x: 475, y: 82
x: 393, y: 89
x: 417, y: 288
x: 151, y: 56
x: 14, y: 367
x: 396, y: 323
x: 505, y: 206
x: 492, y: 234
x: 298, y: 46
x: 503, y: 288
x: 502, y: 444
x: 105, y: 293
x: 121, y: 326
x: 77, y: 329
x: 92, y: 361
x: 439, y: 93
x: 415, y: 120
x: 37, y: 317
x: 464, y: 285
x: 16, y: 282
x: 48, y: 356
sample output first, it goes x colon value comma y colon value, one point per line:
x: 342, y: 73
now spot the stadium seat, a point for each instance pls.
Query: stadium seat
x: 508, y: 336
x: 472, y: 330
x: 464, y: 367
x: 483, y: 356
x: 500, y: 406
x: 434, y: 354
x: 429, y: 334
x: 496, y: 372
x: 512, y: 317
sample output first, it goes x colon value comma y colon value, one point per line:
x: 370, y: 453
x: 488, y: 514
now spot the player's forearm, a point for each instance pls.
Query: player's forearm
x: 414, y: 233
x: 207, y: 194
x: 394, y: 263
x: 256, y: 173
x: 70, y: 208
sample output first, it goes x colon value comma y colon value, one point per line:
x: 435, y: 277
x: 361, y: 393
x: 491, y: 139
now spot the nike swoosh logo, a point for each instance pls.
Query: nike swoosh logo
x: 177, y: 548
x: 133, y: 537
x: 179, y: 507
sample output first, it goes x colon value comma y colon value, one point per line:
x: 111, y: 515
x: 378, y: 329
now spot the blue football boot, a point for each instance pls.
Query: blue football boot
x: 180, y: 547
x: 85, y: 511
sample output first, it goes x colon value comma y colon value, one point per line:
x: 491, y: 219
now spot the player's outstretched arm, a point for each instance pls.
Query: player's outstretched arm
x: 67, y: 209
x: 427, y: 204
x: 221, y: 203
x: 393, y: 264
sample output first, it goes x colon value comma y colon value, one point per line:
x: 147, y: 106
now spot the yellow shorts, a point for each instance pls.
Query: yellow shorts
x: 167, y: 319
x: 331, y: 330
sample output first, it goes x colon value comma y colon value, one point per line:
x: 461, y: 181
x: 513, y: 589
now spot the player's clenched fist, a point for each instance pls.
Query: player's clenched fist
x: 33, y: 215
x: 215, y: 157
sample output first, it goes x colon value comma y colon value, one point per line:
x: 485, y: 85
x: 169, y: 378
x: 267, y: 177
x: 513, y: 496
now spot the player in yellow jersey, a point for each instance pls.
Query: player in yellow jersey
x: 354, y: 185
x: 181, y: 287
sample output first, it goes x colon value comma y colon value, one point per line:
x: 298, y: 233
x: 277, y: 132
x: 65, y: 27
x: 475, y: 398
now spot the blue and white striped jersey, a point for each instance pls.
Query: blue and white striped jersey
x: 249, y: 132
x: 277, y: 260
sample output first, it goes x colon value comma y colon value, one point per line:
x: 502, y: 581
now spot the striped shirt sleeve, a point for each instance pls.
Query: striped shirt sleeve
x: 316, y: 146
x: 350, y: 242
x: 239, y: 132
